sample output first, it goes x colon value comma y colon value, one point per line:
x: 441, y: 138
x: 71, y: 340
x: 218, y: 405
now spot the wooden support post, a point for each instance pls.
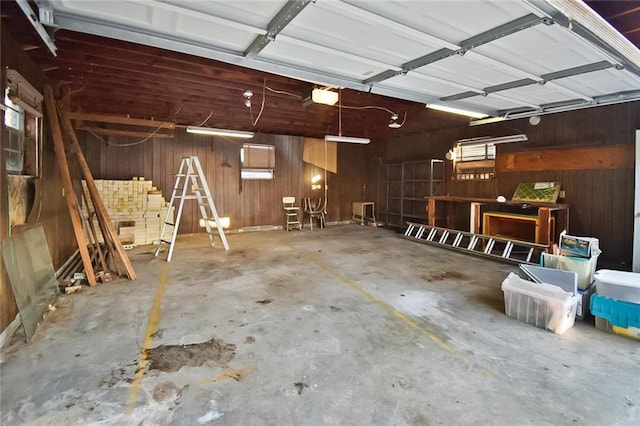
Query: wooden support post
x: 431, y: 211
x: 109, y: 231
x: 544, y: 229
x: 70, y: 195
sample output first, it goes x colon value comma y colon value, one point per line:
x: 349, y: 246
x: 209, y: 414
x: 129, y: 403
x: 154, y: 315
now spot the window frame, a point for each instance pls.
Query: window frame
x: 259, y: 166
x: 22, y: 105
x: 479, y: 161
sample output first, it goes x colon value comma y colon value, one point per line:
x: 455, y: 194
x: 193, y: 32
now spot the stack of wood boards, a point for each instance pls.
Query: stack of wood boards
x: 136, y: 207
x: 65, y: 139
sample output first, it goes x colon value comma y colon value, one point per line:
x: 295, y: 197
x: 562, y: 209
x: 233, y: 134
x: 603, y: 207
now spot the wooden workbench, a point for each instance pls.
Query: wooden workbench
x: 551, y: 219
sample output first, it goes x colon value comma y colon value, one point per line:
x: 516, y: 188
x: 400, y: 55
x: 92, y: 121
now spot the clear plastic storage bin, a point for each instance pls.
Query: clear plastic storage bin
x: 543, y: 305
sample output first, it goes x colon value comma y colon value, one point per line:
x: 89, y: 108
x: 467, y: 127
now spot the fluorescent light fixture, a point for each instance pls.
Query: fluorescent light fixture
x: 324, y: 96
x: 256, y: 174
x: 486, y: 121
x: 219, y: 132
x: 493, y: 140
x: 316, y: 179
x: 347, y: 139
x: 458, y: 111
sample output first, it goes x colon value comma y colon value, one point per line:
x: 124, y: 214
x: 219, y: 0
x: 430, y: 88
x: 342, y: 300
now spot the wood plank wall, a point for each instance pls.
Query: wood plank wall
x: 601, y: 199
x: 50, y: 210
x: 248, y: 203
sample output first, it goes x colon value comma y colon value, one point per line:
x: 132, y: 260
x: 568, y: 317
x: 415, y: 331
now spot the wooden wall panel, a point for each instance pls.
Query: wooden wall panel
x: 51, y: 210
x: 586, y: 158
x: 248, y: 203
x: 599, y: 183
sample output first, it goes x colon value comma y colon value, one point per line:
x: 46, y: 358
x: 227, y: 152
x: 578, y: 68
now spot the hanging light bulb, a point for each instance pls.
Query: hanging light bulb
x: 394, y: 121
x: 247, y: 95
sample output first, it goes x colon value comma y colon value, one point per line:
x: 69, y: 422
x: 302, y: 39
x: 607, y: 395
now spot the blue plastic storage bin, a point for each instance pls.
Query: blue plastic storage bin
x: 619, y: 314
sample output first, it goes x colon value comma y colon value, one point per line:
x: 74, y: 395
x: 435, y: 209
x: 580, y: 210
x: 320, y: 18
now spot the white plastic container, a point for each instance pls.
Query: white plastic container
x: 581, y: 266
x: 618, y: 285
x: 543, y: 305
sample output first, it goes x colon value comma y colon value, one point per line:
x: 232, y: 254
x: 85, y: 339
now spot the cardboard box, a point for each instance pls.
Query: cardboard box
x: 570, y: 245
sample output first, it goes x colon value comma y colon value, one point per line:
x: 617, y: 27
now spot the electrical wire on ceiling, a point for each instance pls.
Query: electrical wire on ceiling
x: 206, y: 119
x: 283, y: 92
x: 125, y: 144
x: 264, y: 88
x: 71, y: 92
x: 394, y: 115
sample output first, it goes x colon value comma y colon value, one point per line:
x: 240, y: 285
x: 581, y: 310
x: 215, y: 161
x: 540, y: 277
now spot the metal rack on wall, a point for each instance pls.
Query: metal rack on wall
x: 402, y: 188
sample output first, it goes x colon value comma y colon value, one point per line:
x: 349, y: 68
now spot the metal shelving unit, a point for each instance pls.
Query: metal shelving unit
x: 402, y: 188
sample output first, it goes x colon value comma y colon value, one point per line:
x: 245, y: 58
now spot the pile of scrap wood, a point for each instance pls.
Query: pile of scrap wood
x: 98, y: 259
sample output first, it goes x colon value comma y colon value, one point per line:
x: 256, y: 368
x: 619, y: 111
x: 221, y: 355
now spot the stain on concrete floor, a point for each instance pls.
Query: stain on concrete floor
x: 300, y: 387
x: 167, y: 391
x: 170, y: 358
x: 444, y: 276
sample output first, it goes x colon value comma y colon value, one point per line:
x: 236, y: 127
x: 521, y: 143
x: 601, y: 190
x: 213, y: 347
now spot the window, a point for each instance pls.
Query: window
x: 14, y: 124
x: 23, y: 111
x: 474, y: 159
x: 258, y: 161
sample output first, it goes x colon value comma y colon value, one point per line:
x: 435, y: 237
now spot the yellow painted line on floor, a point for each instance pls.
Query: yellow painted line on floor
x: 152, y: 326
x: 355, y: 286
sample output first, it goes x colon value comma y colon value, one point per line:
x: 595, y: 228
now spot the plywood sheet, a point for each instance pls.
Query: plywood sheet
x: 33, y: 281
x: 314, y: 153
x: 18, y: 199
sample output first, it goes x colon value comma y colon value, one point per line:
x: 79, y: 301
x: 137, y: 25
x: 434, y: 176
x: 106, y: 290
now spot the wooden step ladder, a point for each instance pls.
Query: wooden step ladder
x: 499, y: 248
x: 191, y: 184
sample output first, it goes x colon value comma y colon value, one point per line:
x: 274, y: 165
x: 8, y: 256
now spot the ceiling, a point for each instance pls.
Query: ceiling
x: 190, y: 61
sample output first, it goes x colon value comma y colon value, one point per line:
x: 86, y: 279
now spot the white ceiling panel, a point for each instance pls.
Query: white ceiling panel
x: 360, y: 35
x: 603, y: 82
x: 255, y: 13
x: 485, y: 103
x: 306, y: 57
x: 542, y: 49
x: 537, y: 94
x: 470, y: 71
x: 133, y: 12
x: 431, y: 87
x: 450, y: 20
x: 414, y: 50
x: 227, y: 37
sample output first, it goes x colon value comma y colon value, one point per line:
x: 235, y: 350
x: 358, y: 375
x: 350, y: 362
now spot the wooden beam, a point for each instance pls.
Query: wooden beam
x: 70, y: 195
x: 117, y: 119
x: 131, y: 133
x: 581, y: 158
x: 109, y: 232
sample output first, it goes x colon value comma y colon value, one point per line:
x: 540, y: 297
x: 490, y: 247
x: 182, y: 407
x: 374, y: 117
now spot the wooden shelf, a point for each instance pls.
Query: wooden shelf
x: 514, y: 226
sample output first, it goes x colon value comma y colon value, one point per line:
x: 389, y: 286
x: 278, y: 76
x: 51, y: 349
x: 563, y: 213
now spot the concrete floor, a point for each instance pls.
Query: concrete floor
x: 349, y: 325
